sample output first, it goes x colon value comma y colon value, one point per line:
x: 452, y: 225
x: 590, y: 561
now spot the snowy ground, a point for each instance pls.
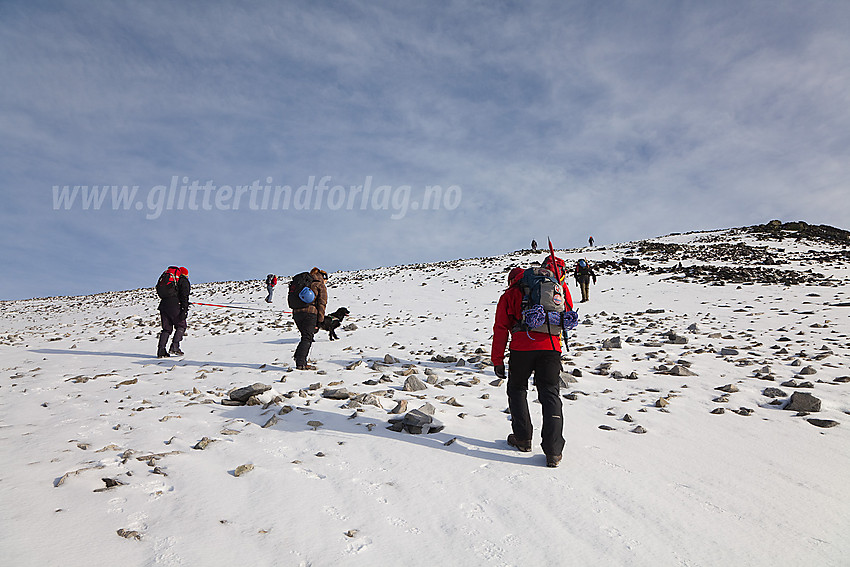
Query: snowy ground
x: 83, y: 399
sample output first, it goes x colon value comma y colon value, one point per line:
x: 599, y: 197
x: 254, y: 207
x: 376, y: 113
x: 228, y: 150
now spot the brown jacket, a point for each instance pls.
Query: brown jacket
x: 321, y: 302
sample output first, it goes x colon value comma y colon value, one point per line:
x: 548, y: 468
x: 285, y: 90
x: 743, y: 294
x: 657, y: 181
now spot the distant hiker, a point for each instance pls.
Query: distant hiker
x: 173, y: 289
x: 530, y: 351
x: 534, y: 246
x: 308, y: 297
x: 590, y: 241
x: 271, y: 281
x: 583, y: 273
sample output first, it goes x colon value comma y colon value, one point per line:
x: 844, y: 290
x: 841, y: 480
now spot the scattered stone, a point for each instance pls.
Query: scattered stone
x: 607, y: 428
x: 718, y: 411
x: 628, y: 419
x: 242, y: 469
x: 808, y: 370
x: 336, y: 393
x: 416, y: 422
x: 129, y: 534
x: 744, y: 411
x: 825, y: 423
x: 803, y: 402
x: 728, y: 351
x: 401, y: 407
x: 773, y: 393
x: 390, y: 359
x: 414, y: 384
x: 203, y: 443
x: 662, y: 403
x: 639, y: 429
x: 728, y: 388
x: 680, y: 370
x: 315, y: 424
x: 271, y: 422
x: 110, y: 484
x: 245, y: 393
x: 613, y: 342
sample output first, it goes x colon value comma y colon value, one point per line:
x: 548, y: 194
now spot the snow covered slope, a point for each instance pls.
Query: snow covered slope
x: 677, y: 329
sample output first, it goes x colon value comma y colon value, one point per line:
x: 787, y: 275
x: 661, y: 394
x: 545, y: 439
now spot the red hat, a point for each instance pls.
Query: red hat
x: 184, y: 271
x: 515, y: 275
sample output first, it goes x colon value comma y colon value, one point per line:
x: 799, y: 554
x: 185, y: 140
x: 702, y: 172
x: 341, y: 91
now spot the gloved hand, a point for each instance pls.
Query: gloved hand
x: 499, y: 370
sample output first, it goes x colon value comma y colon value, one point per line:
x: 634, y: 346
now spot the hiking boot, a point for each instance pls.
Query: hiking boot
x: 175, y: 351
x: 553, y: 460
x: 305, y: 367
x: 162, y: 353
x: 524, y: 447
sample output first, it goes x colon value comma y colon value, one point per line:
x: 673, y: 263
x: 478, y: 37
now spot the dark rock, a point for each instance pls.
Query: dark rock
x: 413, y: 384
x: 803, y: 402
x: 245, y: 393
x: 825, y: 423
x: 774, y: 393
x: 336, y: 394
x: 679, y: 370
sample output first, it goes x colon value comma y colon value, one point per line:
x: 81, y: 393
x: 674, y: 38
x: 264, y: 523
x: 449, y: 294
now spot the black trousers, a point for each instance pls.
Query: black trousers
x: 171, y: 321
x: 306, y: 323
x: 546, y: 366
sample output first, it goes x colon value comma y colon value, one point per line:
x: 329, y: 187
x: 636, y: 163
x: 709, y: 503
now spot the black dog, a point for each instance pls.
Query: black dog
x: 333, y: 321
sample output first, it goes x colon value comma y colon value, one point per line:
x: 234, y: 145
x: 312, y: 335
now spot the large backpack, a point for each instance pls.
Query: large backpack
x: 166, y: 286
x: 559, y: 263
x: 298, y: 283
x: 543, y: 309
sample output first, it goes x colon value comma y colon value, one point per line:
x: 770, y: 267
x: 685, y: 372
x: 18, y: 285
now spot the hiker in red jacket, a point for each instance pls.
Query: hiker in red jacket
x: 539, y: 353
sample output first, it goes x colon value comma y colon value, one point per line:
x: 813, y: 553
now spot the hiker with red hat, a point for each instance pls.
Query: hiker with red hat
x: 173, y: 289
x: 532, y: 350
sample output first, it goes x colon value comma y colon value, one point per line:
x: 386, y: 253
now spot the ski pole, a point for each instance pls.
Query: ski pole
x: 232, y: 306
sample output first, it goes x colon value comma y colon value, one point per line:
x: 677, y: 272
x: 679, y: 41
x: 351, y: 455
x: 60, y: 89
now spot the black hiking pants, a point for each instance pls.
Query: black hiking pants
x: 546, y: 366
x: 306, y: 323
x: 172, y: 320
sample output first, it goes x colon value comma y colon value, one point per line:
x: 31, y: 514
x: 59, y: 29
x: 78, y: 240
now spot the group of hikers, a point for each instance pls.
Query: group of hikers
x: 532, y: 315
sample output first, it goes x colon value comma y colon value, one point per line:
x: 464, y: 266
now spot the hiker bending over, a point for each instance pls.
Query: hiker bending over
x: 173, y: 289
x: 308, y: 298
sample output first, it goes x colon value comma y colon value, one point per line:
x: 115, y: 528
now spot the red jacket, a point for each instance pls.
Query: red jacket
x: 509, y: 313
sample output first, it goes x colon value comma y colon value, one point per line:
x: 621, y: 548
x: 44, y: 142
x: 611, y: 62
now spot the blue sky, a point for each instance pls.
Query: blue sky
x: 520, y: 120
